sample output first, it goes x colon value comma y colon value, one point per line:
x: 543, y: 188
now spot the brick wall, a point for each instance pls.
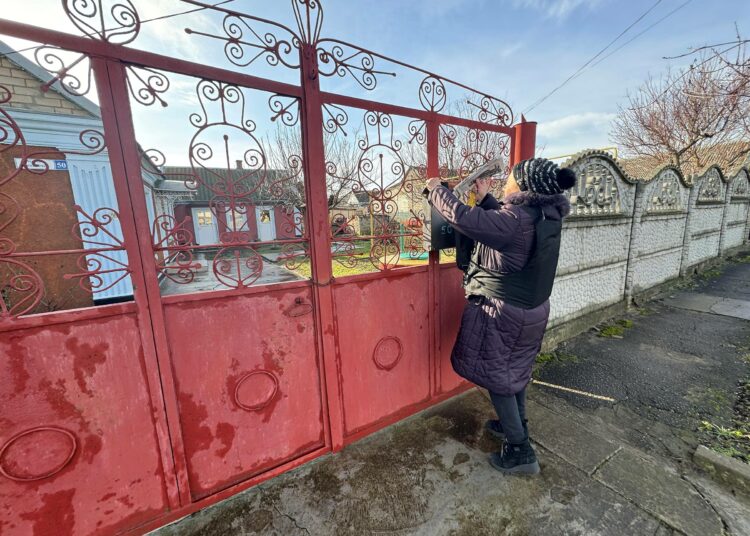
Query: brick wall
x: 45, y: 222
x: 27, y: 94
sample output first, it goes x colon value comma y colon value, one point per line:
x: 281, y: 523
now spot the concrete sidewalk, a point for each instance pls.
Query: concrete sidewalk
x: 609, y: 468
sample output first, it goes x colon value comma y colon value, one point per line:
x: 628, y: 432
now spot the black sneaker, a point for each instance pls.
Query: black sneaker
x: 516, y: 459
x: 495, y: 429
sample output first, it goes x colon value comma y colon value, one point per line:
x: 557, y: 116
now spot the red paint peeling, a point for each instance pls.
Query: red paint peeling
x: 126, y: 501
x: 194, y: 415
x: 85, y: 360
x: 92, y: 445
x: 225, y: 433
x: 56, y: 517
x: 17, y: 358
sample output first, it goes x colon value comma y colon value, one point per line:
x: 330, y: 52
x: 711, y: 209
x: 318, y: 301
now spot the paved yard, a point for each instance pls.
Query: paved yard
x: 608, y: 468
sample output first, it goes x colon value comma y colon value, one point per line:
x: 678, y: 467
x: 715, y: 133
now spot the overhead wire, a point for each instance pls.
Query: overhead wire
x: 636, y: 36
x: 592, y: 59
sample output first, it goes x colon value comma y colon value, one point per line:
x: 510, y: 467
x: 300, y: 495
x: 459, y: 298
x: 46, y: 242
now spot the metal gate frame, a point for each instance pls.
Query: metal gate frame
x: 109, y: 64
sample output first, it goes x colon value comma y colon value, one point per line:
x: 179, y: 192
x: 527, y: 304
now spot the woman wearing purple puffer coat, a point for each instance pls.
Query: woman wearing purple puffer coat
x: 508, y: 284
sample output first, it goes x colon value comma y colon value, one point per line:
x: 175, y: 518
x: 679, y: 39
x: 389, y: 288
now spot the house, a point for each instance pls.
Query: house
x: 729, y: 156
x: 351, y: 214
x: 256, y: 217
x: 64, y: 174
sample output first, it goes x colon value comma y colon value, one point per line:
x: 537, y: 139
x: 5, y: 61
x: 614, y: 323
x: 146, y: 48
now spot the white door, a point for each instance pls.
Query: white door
x: 204, y: 224
x: 266, y: 224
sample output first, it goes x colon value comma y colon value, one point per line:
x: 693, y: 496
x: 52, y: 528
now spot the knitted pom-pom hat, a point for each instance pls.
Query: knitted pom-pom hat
x: 543, y: 176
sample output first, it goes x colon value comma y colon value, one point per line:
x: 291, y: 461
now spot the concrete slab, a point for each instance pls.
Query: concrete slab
x: 658, y: 489
x: 567, y: 439
x: 734, y: 508
x: 706, y: 303
x: 428, y: 476
x: 206, y: 280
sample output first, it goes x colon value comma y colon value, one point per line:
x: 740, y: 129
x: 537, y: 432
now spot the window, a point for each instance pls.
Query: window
x: 205, y: 217
x: 236, y: 221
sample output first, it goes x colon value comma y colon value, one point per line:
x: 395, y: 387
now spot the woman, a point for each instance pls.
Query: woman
x: 508, y: 284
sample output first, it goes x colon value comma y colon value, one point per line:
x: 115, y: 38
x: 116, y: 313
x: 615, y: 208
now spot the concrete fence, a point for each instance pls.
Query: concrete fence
x: 626, y: 237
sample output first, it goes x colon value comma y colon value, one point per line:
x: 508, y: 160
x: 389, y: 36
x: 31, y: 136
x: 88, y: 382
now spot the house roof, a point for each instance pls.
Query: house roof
x: 206, y: 177
x: 723, y: 155
x: 43, y: 76
x: 363, y: 198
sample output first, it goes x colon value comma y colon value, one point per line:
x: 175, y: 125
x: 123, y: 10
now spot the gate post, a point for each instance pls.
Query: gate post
x: 319, y: 231
x: 524, y: 140
x: 433, y: 266
x: 125, y: 160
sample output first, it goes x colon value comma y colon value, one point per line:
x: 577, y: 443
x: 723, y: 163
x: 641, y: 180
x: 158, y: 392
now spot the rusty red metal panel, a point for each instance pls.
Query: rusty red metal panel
x: 78, y: 448
x: 225, y: 388
x: 452, y: 303
x: 524, y: 141
x: 248, y: 385
x: 320, y: 241
x: 383, y: 346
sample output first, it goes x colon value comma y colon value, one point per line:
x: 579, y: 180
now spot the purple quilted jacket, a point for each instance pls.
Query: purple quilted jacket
x: 498, y: 343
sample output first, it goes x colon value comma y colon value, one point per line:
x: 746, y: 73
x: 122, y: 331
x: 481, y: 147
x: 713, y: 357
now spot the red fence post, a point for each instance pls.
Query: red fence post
x: 319, y: 230
x: 433, y: 267
x: 524, y: 142
x: 126, y: 170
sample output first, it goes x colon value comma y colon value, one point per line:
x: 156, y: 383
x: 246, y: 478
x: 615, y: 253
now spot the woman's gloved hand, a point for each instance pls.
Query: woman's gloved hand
x: 433, y: 183
x: 480, y: 188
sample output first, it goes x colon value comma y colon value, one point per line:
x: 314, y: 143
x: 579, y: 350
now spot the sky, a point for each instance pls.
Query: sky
x: 517, y: 50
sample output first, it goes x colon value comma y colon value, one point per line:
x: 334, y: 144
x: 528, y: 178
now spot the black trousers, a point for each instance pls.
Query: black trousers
x: 511, y: 410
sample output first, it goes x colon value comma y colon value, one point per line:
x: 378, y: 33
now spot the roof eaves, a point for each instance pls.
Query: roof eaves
x: 43, y: 76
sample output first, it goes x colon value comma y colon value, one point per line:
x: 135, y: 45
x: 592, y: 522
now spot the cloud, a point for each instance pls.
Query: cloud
x: 573, y: 133
x: 556, y: 9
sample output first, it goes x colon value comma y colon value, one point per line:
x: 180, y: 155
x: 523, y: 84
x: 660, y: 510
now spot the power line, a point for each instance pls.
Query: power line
x: 144, y: 21
x: 582, y: 67
x: 636, y: 36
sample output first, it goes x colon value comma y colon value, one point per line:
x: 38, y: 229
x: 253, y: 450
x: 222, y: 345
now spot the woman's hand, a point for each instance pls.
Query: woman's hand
x: 481, y: 187
x: 433, y: 183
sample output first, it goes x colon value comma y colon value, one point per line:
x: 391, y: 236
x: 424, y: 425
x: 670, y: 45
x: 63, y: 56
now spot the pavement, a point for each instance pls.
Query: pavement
x: 205, y: 278
x: 621, y: 467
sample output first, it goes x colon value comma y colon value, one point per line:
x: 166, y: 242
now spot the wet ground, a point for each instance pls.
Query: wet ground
x: 608, y: 468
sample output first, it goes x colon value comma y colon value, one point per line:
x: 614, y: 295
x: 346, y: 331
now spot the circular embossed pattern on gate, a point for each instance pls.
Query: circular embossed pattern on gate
x: 256, y: 390
x: 37, y: 453
x: 387, y: 353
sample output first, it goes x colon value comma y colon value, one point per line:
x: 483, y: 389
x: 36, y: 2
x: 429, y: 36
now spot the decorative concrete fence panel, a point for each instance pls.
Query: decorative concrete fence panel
x: 592, y: 269
x: 661, y: 209
x: 705, y: 218
x: 735, y: 228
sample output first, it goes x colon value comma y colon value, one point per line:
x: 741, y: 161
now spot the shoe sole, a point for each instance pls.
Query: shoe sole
x: 528, y: 469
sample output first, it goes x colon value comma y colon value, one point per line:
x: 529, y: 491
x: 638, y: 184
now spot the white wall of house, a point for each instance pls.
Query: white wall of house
x: 92, y: 185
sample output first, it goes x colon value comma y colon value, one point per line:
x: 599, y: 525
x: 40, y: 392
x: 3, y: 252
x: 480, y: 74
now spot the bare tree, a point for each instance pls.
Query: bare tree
x: 284, y: 156
x: 683, y: 116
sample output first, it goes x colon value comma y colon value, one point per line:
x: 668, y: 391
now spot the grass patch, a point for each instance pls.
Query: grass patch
x: 616, y: 330
x: 612, y: 331
x: 645, y: 311
x: 732, y: 440
x: 710, y: 274
x: 742, y: 260
x: 729, y: 441
x: 555, y: 357
x: 363, y: 265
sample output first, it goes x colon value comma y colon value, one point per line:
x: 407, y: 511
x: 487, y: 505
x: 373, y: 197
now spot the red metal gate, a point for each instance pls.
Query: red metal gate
x: 270, y: 320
